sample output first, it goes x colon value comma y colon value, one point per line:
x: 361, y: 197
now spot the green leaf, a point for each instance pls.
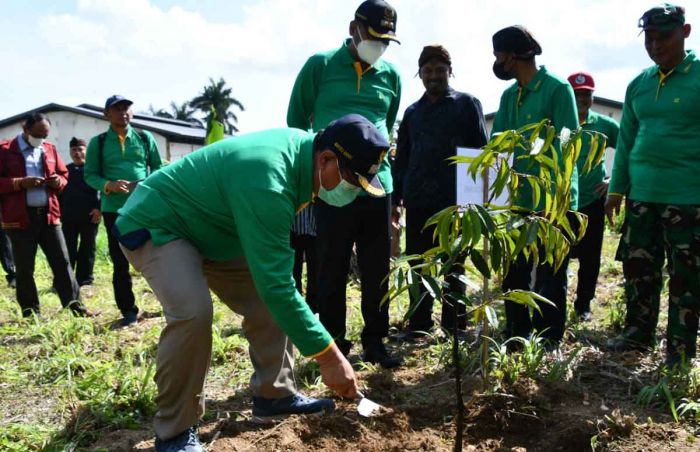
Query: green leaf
x: 526, y: 298
x: 486, y: 219
x: 496, y: 253
x: 479, y: 262
x: 475, y: 222
x: 467, y: 239
x: 492, y: 317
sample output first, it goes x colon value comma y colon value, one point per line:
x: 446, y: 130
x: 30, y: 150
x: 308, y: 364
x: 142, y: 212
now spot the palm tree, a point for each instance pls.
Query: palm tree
x: 218, y: 96
x: 182, y: 112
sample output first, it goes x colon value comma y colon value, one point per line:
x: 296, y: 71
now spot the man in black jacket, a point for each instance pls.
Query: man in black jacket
x: 424, y: 181
x: 80, y: 215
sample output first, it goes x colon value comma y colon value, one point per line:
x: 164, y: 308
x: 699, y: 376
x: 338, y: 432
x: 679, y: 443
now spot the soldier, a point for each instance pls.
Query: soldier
x: 656, y: 168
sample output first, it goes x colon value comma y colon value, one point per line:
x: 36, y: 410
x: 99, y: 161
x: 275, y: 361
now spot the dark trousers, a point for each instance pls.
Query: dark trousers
x: 588, y: 252
x: 365, y: 223
x: 24, y: 246
x: 81, y: 255
x: 121, y: 278
x: 551, y: 321
x: 419, y: 241
x: 6, y: 259
x: 304, y: 247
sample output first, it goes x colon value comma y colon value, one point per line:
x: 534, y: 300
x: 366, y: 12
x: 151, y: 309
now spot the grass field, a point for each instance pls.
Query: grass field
x: 82, y: 384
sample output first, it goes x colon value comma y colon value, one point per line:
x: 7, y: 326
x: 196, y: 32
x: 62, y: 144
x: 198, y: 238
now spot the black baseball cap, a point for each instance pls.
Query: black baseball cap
x: 115, y: 99
x: 664, y: 17
x: 518, y: 40
x: 360, y: 147
x: 380, y: 19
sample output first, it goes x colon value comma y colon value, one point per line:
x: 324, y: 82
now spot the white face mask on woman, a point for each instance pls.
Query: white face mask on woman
x: 369, y: 51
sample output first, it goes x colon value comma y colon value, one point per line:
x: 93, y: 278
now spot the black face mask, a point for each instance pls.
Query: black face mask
x: 499, y: 70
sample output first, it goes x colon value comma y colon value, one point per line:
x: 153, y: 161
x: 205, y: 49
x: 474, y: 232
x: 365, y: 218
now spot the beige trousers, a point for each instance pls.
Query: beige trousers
x: 181, y: 279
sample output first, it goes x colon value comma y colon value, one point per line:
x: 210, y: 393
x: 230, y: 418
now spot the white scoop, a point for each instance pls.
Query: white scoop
x: 367, y: 408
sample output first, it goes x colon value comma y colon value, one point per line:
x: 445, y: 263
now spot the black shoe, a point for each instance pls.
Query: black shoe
x: 584, y: 316
x: 551, y: 346
x: 129, y: 319
x: 344, y: 346
x: 376, y: 353
x: 410, y: 335
x: 623, y: 344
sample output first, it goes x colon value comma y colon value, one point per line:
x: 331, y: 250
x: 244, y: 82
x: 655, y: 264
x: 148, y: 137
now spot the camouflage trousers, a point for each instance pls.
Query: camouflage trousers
x: 652, y: 233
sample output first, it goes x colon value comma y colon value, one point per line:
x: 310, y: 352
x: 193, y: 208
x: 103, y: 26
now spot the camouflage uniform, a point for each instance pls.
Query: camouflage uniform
x: 651, y: 229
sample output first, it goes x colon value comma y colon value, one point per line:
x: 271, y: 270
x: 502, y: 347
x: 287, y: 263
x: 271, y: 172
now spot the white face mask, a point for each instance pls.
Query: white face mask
x: 368, y: 50
x: 34, y: 141
x: 343, y: 194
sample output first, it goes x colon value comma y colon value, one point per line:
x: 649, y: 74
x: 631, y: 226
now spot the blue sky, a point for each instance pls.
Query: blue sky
x: 157, y: 51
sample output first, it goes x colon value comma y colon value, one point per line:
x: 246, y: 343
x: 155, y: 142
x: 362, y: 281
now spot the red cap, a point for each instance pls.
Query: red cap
x: 582, y: 80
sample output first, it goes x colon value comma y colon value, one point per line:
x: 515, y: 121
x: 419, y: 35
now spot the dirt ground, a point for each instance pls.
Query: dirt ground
x: 419, y: 409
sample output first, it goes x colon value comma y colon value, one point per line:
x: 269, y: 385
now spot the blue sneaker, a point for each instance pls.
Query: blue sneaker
x: 266, y: 411
x: 186, y: 441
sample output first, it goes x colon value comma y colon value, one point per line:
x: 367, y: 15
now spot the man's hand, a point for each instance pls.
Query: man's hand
x: 117, y: 186
x: 612, y: 207
x: 31, y: 182
x: 602, y: 189
x: 53, y: 181
x: 95, y: 216
x: 396, y: 212
x: 337, y: 372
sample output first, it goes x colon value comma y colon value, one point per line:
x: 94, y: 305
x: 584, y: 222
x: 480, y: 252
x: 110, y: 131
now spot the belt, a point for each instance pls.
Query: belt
x: 38, y: 210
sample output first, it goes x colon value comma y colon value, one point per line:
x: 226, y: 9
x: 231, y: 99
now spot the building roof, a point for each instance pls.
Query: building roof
x: 596, y: 100
x: 173, y: 129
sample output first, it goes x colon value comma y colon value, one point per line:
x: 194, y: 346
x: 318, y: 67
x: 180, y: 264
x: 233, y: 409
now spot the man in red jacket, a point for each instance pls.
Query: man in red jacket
x: 31, y: 174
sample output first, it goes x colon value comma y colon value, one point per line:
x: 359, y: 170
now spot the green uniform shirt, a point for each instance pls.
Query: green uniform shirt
x: 546, y: 96
x: 238, y: 197
x: 119, y: 163
x: 329, y: 86
x: 657, y: 158
x: 587, y: 183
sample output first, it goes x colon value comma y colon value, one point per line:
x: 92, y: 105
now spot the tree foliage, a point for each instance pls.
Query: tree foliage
x: 182, y: 112
x: 486, y: 239
x: 217, y: 99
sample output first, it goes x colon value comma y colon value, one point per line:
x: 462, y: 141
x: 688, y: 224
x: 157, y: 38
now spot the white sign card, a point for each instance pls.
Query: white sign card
x: 471, y: 192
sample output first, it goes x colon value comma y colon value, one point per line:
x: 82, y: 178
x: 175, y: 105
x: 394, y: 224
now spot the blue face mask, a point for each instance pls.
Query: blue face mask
x: 343, y: 194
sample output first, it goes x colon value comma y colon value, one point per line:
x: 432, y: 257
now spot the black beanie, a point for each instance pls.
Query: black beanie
x: 518, y: 40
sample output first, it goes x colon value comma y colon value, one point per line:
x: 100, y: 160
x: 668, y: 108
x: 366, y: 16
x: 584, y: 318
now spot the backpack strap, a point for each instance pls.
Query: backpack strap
x: 146, y: 147
x: 144, y: 141
x: 100, y: 151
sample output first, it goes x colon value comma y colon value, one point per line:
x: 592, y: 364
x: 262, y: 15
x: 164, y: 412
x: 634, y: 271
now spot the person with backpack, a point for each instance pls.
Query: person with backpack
x: 115, y: 162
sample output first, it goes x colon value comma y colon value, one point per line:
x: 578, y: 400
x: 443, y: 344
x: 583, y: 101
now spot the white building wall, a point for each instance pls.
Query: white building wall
x: 66, y: 125
x: 179, y: 150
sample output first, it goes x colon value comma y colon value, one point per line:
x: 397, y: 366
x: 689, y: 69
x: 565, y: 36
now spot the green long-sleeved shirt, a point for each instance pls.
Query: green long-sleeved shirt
x: 588, y: 183
x: 238, y: 197
x: 657, y: 158
x: 128, y: 162
x: 546, y: 96
x: 331, y: 85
